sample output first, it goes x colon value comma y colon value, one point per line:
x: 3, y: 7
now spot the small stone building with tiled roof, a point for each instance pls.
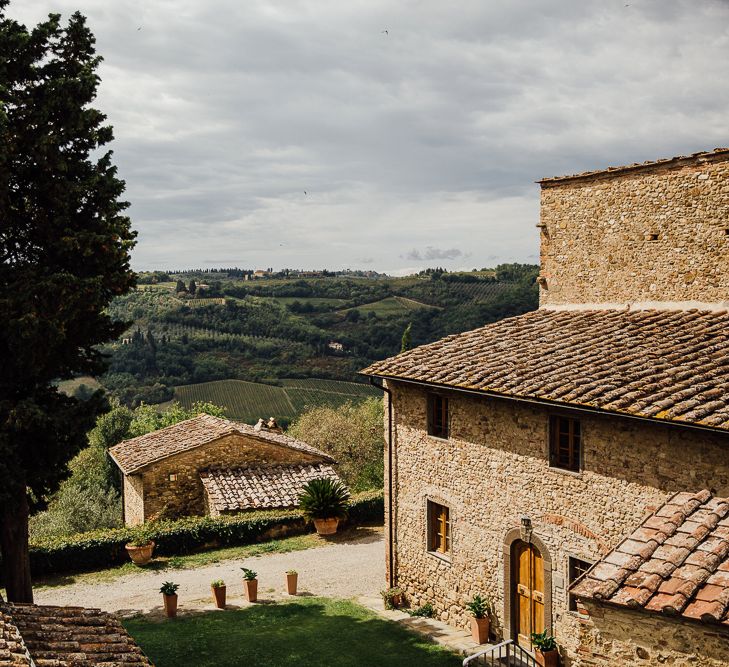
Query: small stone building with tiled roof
x: 210, y: 464
x: 523, y: 452
x: 46, y: 636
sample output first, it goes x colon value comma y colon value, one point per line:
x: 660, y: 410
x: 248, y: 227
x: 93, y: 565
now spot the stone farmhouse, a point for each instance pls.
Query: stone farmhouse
x: 45, y: 636
x: 210, y: 465
x: 572, y: 463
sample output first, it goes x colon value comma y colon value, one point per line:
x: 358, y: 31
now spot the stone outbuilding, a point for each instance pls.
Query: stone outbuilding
x: 213, y: 465
x: 35, y: 635
x: 523, y: 452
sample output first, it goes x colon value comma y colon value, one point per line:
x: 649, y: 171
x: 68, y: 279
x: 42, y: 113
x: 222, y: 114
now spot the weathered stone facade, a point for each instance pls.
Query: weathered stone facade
x: 658, y: 233
x: 151, y: 494
x: 494, y: 469
x: 610, y: 637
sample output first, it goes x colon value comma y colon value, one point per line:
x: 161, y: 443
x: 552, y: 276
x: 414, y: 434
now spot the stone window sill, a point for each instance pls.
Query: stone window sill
x: 564, y: 471
x: 445, y: 558
x: 437, y: 438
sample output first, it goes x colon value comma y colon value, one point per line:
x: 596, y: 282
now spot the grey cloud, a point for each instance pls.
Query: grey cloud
x: 431, y: 253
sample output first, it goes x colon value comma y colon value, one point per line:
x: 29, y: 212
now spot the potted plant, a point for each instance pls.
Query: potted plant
x: 141, y: 546
x: 545, y: 649
x: 292, y: 580
x: 480, y: 609
x: 218, y: 589
x: 324, y: 501
x: 169, y: 597
x: 250, y: 583
x: 392, y: 597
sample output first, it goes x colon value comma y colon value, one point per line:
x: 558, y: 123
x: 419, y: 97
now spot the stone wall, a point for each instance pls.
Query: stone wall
x: 133, y: 500
x: 659, y: 233
x: 164, y: 498
x: 610, y: 636
x: 494, y: 469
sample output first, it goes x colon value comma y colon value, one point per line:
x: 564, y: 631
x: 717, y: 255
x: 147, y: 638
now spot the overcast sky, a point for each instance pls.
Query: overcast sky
x: 416, y: 147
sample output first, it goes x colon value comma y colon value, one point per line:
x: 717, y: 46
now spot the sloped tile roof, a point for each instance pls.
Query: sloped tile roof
x: 68, y: 637
x: 137, y: 453
x: 609, y: 171
x: 675, y: 563
x: 261, y: 487
x: 659, y: 364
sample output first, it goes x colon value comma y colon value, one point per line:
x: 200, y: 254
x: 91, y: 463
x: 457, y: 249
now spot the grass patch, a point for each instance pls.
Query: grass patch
x: 188, y: 561
x: 306, y: 633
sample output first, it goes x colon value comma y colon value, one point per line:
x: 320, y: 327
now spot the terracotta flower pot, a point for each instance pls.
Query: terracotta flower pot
x: 292, y: 581
x: 326, y: 526
x: 170, y: 602
x: 396, y: 600
x: 140, y: 555
x: 251, y: 589
x: 219, y: 595
x: 480, y: 630
x: 547, y: 659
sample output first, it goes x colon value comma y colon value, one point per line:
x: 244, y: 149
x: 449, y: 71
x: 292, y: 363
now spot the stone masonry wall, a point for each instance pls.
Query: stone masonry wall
x: 133, y: 500
x: 611, y: 636
x: 494, y: 469
x: 598, y: 236
x: 185, y: 496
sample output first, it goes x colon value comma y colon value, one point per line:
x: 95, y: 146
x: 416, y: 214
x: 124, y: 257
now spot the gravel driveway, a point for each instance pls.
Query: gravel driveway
x: 344, y: 569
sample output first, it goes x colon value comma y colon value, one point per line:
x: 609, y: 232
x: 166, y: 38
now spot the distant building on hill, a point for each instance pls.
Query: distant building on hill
x: 210, y: 465
x: 572, y: 463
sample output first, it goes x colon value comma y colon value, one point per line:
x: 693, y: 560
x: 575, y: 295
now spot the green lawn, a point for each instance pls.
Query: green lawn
x: 308, y: 632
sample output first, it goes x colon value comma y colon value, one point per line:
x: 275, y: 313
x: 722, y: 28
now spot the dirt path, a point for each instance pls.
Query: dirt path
x: 345, y: 569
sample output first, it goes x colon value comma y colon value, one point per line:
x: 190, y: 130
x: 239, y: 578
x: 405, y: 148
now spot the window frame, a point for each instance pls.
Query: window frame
x: 438, y: 406
x: 572, y: 568
x: 439, y: 529
x: 575, y: 441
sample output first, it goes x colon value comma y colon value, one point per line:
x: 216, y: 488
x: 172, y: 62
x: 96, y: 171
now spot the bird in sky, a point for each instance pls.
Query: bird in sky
x: 139, y: 28
x: 305, y: 192
x: 387, y: 32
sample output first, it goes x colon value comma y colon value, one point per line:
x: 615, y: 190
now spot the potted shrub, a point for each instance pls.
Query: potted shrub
x: 218, y: 589
x: 169, y: 597
x: 392, y: 597
x: 545, y: 649
x: 250, y: 583
x: 141, y: 546
x: 480, y: 609
x: 324, y: 501
x: 292, y: 580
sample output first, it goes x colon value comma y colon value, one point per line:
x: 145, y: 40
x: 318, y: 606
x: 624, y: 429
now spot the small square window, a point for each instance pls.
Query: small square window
x: 437, y: 415
x: 172, y: 477
x: 576, y: 569
x: 565, y: 443
x: 439, y: 528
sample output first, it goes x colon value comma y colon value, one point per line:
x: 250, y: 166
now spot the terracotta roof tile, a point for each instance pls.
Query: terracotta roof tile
x: 687, y: 574
x: 137, y: 453
x: 260, y: 487
x: 662, y: 365
x: 65, y: 637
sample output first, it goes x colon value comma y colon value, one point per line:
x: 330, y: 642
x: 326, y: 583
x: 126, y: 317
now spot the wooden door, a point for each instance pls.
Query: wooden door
x: 528, y: 594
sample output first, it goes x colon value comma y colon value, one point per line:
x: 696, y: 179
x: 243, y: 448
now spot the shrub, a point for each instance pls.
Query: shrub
x: 426, y: 611
x: 249, y: 575
x: 544, y: 641
x: 168, y: 588
x: 479, y: 607
x: 324, y: 498
x: 217, y: 583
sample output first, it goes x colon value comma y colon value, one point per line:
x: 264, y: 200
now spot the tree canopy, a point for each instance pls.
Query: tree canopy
x: 64, y: 255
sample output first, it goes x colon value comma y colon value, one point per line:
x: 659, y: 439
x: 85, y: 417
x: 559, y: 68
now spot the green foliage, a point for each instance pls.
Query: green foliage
x: 426, y: 611
x: 390, y: 595
x: 479, y: 606
x: 147, y: 418
x: 103, y: 548
x: 353, y: 434
x: 544, y: 641
x: 217, y: 583
x: 324, y: 498
x: 407, y: 338
x: 291, y: 572
x: 249, y: 575
x: 168, y: 588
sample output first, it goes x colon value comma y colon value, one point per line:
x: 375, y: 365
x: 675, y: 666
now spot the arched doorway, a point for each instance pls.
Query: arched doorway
x: 528, y: 595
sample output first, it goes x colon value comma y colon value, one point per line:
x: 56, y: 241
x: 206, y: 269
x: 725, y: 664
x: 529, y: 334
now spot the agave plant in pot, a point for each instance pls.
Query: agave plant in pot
x: 169, y: 598
x: 141, y: 546
x: 250, y: 583
x: 324, y: 501
x: 480, y: 609
x: 545, y: 649
x: 218, y: 589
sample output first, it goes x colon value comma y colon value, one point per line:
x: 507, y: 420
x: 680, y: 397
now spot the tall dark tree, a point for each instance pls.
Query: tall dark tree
x: 64, y: 255
x: 193, y: 287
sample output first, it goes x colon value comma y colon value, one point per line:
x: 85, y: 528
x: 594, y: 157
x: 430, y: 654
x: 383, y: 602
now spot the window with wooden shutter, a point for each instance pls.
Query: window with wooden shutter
x: 576, y: 568
x: 437, y: 415
x: 565, y: 443
x: 439, y: 528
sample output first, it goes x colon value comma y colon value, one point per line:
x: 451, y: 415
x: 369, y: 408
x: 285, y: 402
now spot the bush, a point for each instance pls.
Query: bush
x: 105, y: 548
x: 324, y: 498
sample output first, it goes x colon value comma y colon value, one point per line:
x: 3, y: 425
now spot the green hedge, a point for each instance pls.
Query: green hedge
x: 104, y: 548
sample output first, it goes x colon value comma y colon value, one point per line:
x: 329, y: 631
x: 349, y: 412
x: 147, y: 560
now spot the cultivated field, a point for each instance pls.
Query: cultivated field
x: 393, y: 305
x: 249, y: 401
